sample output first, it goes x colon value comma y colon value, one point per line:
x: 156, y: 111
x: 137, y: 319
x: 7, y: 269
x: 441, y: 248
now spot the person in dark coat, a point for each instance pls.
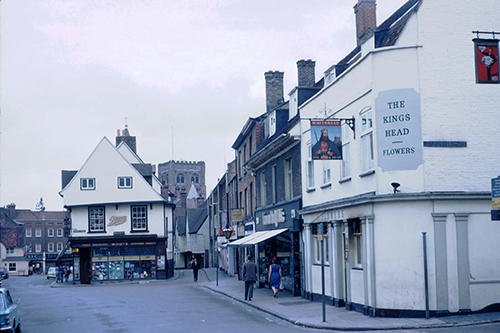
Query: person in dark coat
x: 249, y: 276
x: 195, y: 266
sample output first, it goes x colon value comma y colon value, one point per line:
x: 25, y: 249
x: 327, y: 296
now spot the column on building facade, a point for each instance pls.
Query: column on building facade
x: 463, y: 265
x: 364, y: 264
x: 331, y: 259
x: 370, y: 238
x: 441, y: 262
x: 347, y: 266
x: 338, y: 265
x: 307, y: 257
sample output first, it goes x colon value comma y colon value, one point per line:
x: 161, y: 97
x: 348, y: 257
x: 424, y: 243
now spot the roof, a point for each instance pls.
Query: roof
x: 66, y: 176
x: 389, y: 31
x: 196, y: 217
x: 386, y: 33
x: 192, y: 194
x: 26, y: 215
x: 180, y: 225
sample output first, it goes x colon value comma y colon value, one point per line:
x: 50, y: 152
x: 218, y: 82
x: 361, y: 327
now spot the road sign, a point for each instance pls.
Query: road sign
x: 495, y: 199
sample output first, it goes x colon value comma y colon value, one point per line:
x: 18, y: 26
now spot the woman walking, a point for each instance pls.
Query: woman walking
x: 274, y: 276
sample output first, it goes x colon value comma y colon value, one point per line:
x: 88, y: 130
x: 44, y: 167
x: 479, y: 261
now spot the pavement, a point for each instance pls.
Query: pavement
x: 302, y: 312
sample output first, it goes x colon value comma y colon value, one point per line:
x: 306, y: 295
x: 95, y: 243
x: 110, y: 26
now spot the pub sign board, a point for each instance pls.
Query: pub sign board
x: 486, y: 58
x: 495, y: 199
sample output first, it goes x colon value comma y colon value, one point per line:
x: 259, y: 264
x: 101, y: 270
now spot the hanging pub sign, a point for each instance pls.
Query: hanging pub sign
x: 486, y: 57
x: 326, y: 143
x: 495, y: 199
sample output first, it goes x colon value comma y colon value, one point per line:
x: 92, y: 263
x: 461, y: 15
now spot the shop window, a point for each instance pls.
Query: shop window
x: 50, y: 247
x: 50, y: 232
x: 139, y: 218
x: 96, y: 219
x: 12, y: 267
x: 87, y: 184
x: 124, y: 182
x: 28, y: 232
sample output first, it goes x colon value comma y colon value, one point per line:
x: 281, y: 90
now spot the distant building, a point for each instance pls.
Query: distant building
x: 12, y: 246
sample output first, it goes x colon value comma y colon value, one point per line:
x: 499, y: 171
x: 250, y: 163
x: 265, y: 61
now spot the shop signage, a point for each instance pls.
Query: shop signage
x: 77, y: 231
x: 330, y: 215
x: 326, y: 143
x: 495, y: 198
x: 273, y: 217
x: 399, y: 133
x: 117, y: 220
x: 237, y: 215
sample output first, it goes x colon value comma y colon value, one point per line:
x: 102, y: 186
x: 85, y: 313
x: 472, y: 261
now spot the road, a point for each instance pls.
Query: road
x: 172, y: 306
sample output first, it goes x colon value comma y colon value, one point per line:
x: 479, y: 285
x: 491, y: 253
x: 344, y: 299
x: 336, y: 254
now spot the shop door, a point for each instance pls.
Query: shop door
x: 85, y: 266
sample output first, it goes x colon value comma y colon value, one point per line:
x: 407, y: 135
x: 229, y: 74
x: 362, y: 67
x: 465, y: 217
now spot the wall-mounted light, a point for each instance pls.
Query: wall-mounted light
x: 395, y: 187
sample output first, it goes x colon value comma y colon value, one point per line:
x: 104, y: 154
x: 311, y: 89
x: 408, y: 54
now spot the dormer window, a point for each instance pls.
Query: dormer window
x: 124, y: 182
x: 87, y: 184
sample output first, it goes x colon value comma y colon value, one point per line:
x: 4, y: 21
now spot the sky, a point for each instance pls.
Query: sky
x: 183, y: 75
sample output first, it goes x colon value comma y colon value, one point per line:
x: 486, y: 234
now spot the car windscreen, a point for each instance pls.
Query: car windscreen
x: 2, y: 301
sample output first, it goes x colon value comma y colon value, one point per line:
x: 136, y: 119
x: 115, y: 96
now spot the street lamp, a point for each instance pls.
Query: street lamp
x: 227, y: 232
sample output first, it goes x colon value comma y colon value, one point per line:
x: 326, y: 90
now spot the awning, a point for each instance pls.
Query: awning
x: 257, y: 237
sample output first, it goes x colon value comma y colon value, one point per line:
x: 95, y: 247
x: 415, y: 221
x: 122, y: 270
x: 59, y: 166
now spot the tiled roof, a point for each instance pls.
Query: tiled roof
x: 180, y: 224
x: 388, y: 32
x: 196, y: 217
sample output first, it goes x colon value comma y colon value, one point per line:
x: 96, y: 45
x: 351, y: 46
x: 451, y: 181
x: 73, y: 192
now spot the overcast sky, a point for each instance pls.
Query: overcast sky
x: 185, y: 74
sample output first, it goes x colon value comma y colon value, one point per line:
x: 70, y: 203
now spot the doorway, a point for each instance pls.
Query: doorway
x: 85, y: 265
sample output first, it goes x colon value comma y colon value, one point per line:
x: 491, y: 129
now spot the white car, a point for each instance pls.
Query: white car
x: 52, y: 273
x: 10, y: 321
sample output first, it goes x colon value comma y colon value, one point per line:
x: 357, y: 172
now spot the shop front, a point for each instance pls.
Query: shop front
x: 119, y: 258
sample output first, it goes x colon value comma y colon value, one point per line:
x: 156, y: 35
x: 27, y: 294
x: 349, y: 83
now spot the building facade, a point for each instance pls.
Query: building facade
x: 12, y: 243
x: 122, y: 227
x: 413, y: 186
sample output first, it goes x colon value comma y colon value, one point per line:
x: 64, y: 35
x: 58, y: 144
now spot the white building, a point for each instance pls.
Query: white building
x: 423, y: 123
x: 121, y: 225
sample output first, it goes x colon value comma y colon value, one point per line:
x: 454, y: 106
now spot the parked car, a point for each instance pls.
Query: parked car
x: 52, y: 273
x: 10, y: 321
x: 3, y: 274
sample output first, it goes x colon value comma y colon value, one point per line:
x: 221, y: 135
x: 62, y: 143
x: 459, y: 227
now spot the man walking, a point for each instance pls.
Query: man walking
x: 249, y: 276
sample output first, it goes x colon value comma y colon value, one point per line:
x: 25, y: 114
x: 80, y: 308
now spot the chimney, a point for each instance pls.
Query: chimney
x: 11, y: 210
x: 274, y: 89
x: 127, y: 138
x: 366, y: 19
x: 305, y: 70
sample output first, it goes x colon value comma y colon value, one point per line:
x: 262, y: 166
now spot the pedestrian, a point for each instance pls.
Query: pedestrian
x: 66, y: 273
x: 249, y: 276
x: 195, y: 266
x: 274, y: 276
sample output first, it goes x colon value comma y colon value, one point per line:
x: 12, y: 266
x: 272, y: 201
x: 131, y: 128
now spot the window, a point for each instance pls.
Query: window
x: 367, y: 138
x: 195, y: 178
x: 310, y: 168
x: 96, y: 219
x: 273, y: 180
x: 327, y: 177
x: 180, y: 178
x: 262, y: 189
x: 355, y: 239
x: 288, y: 179
x: 50, y: 232
x: 87, y: 184
x: 346, y: 152
x: 317, y: 244
x: 12, y: 267
x: 10, y: 250
x: 28, y: 232
x: 59, y: 232
x: 59, y: 247
x: 124, y: 182
x: 50, y: 247
x: 38, y: 232
x: 38, y: 247
x: 139, y: 218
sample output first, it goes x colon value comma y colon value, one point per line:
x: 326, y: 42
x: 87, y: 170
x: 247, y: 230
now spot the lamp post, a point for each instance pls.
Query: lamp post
x: 322, y: 240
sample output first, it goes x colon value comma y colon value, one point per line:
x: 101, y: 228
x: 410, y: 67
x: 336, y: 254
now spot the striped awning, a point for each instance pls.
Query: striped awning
x: 257, y: 237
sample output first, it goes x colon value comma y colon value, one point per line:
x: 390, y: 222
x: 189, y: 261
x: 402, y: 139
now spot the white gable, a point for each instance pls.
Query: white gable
x: 192, y: 194
x: 105, y: 165
x: 128, y: 154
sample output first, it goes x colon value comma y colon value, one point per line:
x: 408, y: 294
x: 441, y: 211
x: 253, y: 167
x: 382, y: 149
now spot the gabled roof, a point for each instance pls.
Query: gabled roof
x: 389, y: 31
x: 105, y: 163
x: 180, y: 224
x: 192, y: 194
x: 196, y: 217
